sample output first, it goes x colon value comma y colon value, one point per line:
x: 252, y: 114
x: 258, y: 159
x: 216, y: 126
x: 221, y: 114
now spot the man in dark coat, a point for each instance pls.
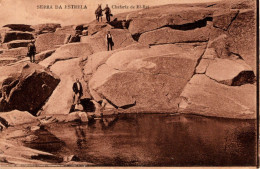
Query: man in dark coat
x: 109, y: 40
x: 107, y: 12
x: 31, y: 51
x: 98, y: 13
x: 78, y: 92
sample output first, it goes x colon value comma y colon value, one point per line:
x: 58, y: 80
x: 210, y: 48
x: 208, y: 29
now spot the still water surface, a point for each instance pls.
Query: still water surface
x: 153, y: 140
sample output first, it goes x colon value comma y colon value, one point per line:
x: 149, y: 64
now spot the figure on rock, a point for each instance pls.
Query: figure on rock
x: 31, y: 51
x: 78, y: 92
x: 75, y: 38
x: 109, y: 40
x: 98, y: 13
x: 4, y: 90
x: 107, y: 12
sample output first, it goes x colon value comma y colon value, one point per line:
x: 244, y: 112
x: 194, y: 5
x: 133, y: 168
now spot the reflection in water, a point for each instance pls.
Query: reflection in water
x: 107, y: 123
x: 81, y: 137
x: 45, y: 141
x: 161, y: 140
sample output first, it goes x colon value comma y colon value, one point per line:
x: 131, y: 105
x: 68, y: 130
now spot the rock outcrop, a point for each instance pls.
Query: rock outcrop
x: 224, y: 18
x: 230, y: 72
x: 46, y: 28
x: 21, y: 155
x: 25, y: 87
x: 14, y: 40
x: 170, y: 36
x: 68, y: 51
x: 93, y: 28
x: 242, y: 35
x: 43, y: 55
x: 15, y: 53
x: 49, y: 41
x: 66, y: 30
x: 16, y: 35
x: 15, y: 118
x: 19, y: 27
x: 16, y: 44
x: 158, y: 73
x: 61, y: 100
x: 170, y: 15
x: 189, y: 58
x: 206, y: 97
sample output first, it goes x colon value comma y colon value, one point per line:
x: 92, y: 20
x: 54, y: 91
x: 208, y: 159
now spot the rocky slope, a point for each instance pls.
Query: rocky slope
x: 185, y: 58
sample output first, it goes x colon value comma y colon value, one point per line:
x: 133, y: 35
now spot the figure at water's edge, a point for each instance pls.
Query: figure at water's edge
x: 78, y: 92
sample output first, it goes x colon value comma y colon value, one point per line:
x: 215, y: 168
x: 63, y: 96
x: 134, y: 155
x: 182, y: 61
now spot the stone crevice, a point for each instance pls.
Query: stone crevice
x: 184, y: 27
x: 58, y: 60
x: 232, y: 20
x: 202, y: 41
x: 199, y: 59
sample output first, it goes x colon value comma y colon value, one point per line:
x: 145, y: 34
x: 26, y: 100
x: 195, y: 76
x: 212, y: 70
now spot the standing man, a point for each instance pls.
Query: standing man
x: 78, y: 92
x: 98, y: 13
x: 109, y: 40
x: 31, y: 51
x: 107, y: 12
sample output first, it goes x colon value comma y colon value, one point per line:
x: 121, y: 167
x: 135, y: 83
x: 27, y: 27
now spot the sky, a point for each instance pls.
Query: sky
x: 26, y: 12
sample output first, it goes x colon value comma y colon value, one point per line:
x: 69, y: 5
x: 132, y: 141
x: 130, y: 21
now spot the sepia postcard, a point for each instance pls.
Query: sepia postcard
x: 116, y: 83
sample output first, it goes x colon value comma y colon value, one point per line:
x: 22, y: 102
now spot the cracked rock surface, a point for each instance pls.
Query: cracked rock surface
x: 206, y: 97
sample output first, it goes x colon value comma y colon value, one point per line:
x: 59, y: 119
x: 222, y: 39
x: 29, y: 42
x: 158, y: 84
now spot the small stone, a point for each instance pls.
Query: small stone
x: 71, y: 158
x: 79, y: 107
x: 34, y: 128
x: 30, y: 138
x: 203, y: 65
x: 210, y: 53
x: 83, y: 116
x: 85, y: 32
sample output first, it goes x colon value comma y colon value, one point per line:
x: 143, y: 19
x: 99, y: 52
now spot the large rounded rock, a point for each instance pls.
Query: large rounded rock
x: 50, y: 41
x: 206, y: 97
x: 168, y: 35
x: 96, y: 60
x: 68, y: 51
x: 158, y: 74
x: 230, y: 72
x: 242, y: 36
x: 171, y: 15
x: 43, y: 55
x: 26, y: 87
